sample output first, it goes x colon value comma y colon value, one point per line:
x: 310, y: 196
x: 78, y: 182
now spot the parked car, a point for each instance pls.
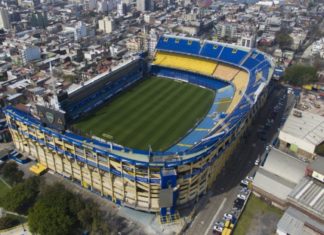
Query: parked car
x: 257, y: 162
x: 228, y: 216
x: 242, y: 196
x: 217, y: 229
x: 219, y: 223
x: 249, y: 178
x: 244, y: 183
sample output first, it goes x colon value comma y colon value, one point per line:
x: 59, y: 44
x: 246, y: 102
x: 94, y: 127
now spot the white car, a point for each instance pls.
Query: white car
x: 218, y: 229
x: 242, y: 196
x: 228, y: 216
x: 244, y: 183
x: 257, y: 162
x: 219, y: 224
x: 249, y: 178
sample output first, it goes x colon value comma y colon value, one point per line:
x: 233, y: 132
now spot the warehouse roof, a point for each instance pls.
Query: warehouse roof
x: 285, y: 165
x: 273, y: 184
x: 318, y: 165
x: 309, y: 195
x: 305, y: 125
x: 294, y: 222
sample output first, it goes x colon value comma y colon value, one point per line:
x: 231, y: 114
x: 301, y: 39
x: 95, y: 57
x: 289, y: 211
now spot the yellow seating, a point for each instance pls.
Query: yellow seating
x: 185, y: 62
x: 240, y: 82
x: 225, y: 72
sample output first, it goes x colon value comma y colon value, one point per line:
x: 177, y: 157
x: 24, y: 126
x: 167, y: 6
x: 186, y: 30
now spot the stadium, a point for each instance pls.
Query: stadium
x: 152, y: 136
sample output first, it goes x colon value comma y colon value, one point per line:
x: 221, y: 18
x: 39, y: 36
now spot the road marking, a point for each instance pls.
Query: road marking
x: 213, y: 219
x: 3, y: 181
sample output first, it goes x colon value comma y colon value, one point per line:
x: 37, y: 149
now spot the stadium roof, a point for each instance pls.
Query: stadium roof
x: 294, y: 222
x: 309, y: 195
x: 308, y: 128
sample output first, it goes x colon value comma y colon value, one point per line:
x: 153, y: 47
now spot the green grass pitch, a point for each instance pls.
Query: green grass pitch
x: 156, y: 112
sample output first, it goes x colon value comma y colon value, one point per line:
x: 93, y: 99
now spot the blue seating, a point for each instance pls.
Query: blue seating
x: 231, y: 55
x: 182, y: 45
x: 75, y: 110
x: 211, y: 50
x: 194, y: 78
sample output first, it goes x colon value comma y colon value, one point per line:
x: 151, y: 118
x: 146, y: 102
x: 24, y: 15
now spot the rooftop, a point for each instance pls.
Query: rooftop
x: 309, y: 195
x: 294, y: 222
x: 280, y: 174
x: 308, y: 126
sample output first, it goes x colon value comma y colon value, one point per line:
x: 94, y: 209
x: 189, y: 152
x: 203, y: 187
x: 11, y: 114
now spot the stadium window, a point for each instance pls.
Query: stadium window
x: 177, y: 40
x: 189, y: 42
x: 165, y: 39
x: 234, y: 51
x: 215, y: 47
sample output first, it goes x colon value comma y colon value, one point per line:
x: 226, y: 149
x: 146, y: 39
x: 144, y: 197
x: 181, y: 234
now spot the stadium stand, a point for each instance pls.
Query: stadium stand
x: 185, y: 62
x: 177, y: 44
x: 232, y: 55
x: 225, y: 72
x: 211, y: 50
x: 240, y: 82
x: 187, y: 76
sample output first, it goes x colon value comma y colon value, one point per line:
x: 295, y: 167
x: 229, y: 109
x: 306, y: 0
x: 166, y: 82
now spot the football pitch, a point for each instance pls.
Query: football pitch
x: 156, y: 112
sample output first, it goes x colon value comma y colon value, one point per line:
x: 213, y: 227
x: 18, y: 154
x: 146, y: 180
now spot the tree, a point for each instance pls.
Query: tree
x: 299, y: 74
x: 8, y: 222
x: 22, y: 196
x: 284, y: 40
x: 11, y: 172
x: 52, y: 214
x: 59, y: 211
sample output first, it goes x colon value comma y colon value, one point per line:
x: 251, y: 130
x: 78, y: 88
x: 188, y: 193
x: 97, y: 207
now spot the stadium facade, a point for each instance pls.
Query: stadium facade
x: 149, y: 180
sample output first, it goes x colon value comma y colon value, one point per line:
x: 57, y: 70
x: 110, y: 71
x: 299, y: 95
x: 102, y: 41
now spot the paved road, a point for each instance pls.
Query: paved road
x: 238, y: 167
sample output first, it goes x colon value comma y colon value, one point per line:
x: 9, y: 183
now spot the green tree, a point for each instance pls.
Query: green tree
x: 22, y: 196
x: 284, y: 40
x: 59, y: 212
x: 299, y: 74
x: 52, y: 214
x: 11, y: 173
x: 8, y: 222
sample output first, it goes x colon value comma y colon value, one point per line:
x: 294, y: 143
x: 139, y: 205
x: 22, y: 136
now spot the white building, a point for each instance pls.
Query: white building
x: 121, y: 9
x: 91, y: 5
x: 106, y: 25
x: 80, y: 31
x: 30, y: 53
x: 302, y: 133
x: 102, y: 6
x: 318, y: 47
x: 246, y: 40
x: 4, y: 19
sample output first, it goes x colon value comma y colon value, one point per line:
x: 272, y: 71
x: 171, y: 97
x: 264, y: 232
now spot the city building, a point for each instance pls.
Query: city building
x: 107, y: 25
x: 277, y: 177
x: 246, y: 40
x: 226, y: 30
x: 302, y: 132
x: 145, y: 5
x: 4, y: 19
x: 30, y: 53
